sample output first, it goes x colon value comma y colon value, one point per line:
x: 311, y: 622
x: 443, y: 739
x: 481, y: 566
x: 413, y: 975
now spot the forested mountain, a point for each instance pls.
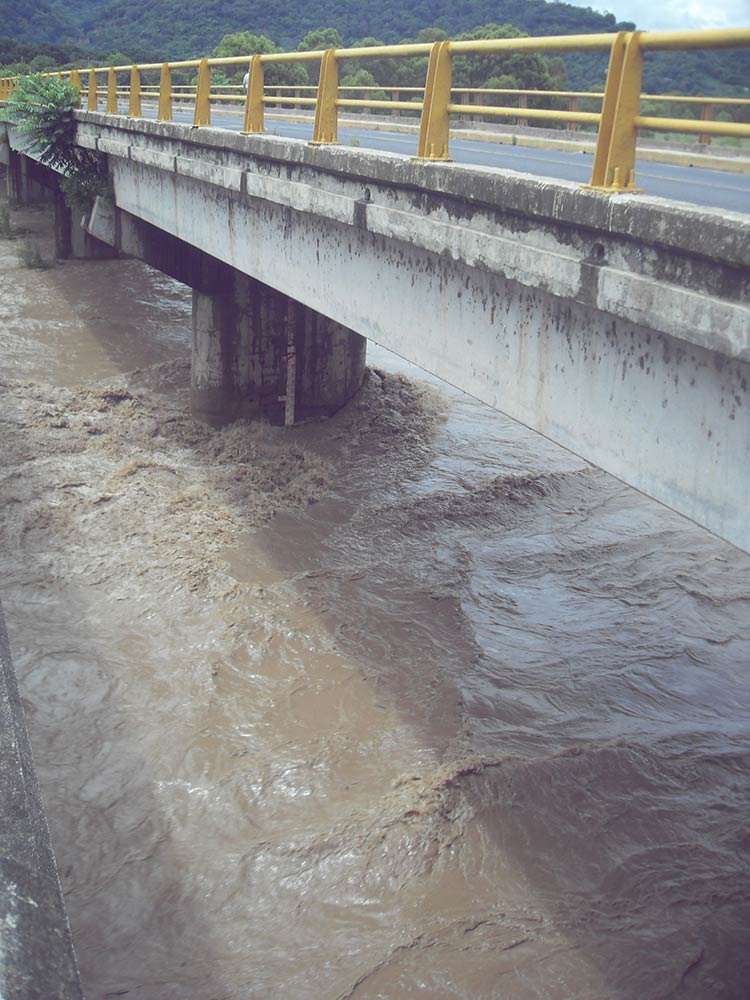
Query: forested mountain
x: 183, y: 28
x: 174, y: 29
x: 33, y: 22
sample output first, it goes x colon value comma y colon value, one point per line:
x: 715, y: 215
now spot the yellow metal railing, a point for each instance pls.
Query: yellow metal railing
x: 616, y: 121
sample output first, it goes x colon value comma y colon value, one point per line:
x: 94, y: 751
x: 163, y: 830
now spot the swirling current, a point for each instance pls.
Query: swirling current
x: 406, y: 703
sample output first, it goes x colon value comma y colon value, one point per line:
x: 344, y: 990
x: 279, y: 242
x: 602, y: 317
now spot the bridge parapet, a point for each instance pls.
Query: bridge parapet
x: 685, y: 270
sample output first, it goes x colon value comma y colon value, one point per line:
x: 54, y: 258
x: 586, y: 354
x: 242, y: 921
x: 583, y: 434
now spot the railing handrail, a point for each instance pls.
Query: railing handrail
x: 704, y: 38
x: 520, y: 91
x: 617, y: 121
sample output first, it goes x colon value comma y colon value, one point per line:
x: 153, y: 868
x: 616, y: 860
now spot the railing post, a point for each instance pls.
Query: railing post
x: 75, y: 82
x: 620, y: 175
x: 523, y: 102
x: 325, y: 130
x: 573, y: 106
x: 111, y: 91
x: 465, y: 101
x: 254, y: 99
x: 614, y: 117
x: 707, y: 115
x: 92, y: 104
x: 434, y: 125
x: 134, y: 104
x: 164, y: 114
x: 395, y: 96
x: 202, y: 114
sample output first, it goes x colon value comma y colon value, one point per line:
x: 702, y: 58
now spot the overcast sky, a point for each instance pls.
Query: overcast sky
x: 662, y: 15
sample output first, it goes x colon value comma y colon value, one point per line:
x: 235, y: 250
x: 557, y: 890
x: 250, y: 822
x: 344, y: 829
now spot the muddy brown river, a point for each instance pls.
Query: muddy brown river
x: 407, y: 703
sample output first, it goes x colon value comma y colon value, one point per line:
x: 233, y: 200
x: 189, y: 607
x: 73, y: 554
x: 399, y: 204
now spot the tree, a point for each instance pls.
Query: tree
x: 117, y: 59
x: 558, y: 71
x: 42, y: 110
x: 323, y: 38
x: 384, y: 70
x: 527, y: 70
x: 243, y: 43
x: 363, y: 78
x: 41, y: 63
x: 431, y: 35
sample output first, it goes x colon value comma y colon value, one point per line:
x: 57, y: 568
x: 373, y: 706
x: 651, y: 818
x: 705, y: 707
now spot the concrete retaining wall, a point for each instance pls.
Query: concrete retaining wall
x: 36, y: 952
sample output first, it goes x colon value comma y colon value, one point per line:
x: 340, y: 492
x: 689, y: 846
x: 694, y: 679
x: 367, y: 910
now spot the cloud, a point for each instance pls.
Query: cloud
x: 678, y: 14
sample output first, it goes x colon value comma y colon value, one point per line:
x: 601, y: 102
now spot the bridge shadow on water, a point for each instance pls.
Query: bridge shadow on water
x: 572, y: 822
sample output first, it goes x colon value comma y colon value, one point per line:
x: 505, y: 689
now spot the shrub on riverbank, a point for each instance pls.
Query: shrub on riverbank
x: 42, y: 109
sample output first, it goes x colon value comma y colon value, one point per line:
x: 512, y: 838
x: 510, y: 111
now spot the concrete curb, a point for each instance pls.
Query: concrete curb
x: 37, y: 961
x: 676, y: 157
x: 702, y: 232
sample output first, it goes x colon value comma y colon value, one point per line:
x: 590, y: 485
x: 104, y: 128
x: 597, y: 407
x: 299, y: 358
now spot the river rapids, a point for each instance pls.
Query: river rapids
x: 406, y: 703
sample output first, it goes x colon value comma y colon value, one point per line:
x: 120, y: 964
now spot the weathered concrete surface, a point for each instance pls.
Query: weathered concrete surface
x: 72, y: 240
x: 36, y: 952
x: 29, y: 182
x: 619, y: 327
x: 244, y: 337
x: 244, y: 332
x: 24, y: 180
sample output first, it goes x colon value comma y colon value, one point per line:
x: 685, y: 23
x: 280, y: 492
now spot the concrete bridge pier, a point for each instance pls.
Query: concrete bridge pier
x: 25, y: 187
x: 29, y: 182
x: 256, y: 352
x: 72, y: 240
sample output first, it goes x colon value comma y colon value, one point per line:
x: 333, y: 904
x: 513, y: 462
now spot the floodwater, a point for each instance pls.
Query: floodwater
x: 408, y: 703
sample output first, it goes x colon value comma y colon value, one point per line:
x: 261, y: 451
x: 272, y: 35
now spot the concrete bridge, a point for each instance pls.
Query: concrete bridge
x: 619, y: 327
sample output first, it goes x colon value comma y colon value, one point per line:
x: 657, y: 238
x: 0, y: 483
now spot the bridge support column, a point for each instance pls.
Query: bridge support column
x: 244, y: 332
x: 244, y: 337
x: 72, y: 241
x: 23, y: 188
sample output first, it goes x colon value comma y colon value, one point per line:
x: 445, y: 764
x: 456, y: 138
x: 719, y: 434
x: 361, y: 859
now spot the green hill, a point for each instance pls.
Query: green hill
x: 182, y: 28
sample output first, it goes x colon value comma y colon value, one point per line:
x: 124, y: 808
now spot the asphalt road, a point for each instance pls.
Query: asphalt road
x: 697, y: 186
